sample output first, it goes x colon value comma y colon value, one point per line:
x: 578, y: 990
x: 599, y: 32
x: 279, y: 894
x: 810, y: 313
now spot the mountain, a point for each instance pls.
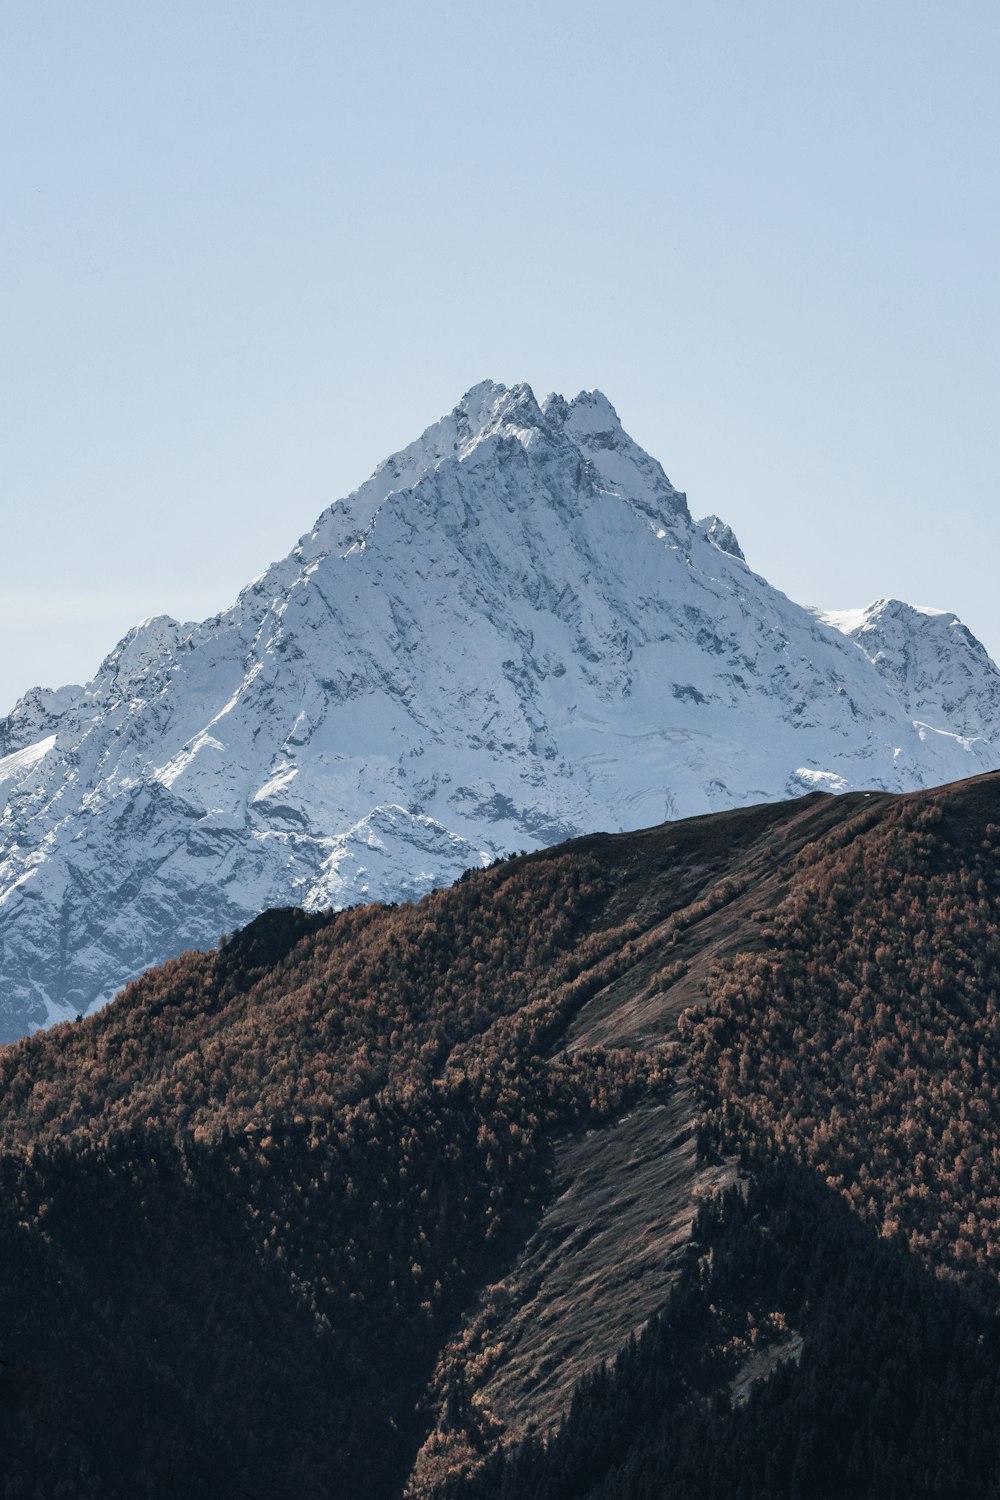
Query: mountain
x: 680, y: 1146
x: 514, y: 632
x: 935, y: 666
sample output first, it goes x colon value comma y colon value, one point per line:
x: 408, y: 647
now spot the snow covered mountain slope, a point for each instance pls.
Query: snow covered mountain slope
x: 513, y: 632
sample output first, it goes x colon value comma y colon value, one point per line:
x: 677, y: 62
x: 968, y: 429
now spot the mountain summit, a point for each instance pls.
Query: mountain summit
x: 513, y: 632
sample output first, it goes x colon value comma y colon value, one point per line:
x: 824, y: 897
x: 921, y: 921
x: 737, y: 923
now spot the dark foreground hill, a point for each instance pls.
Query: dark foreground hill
x: 351, y: 1206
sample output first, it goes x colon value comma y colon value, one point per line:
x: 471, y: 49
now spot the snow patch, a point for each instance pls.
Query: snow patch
x: 22, y: 760
x: 167, y: 775
x: 277, y: 783
x: 821, y: 781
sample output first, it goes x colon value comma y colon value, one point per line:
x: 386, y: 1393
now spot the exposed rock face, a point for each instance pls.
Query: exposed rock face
x: 512, y: 633
x: 722, y: 535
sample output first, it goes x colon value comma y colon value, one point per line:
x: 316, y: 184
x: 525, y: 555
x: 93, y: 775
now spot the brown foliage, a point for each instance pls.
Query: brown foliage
x: 864, y: 1039
x: 348, y: 1119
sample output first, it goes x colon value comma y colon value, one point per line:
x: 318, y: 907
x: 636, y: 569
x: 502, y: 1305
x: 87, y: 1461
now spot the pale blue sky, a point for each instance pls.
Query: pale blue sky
x: 247, y: 249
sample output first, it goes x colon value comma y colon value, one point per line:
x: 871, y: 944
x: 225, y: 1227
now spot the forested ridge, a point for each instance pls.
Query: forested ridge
x: 243, y: 1203
x: 884, y: 1383
x: 246, y: 1208
x: 865, y: 1039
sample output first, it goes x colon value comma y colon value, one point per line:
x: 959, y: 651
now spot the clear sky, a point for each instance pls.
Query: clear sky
x: 248, y: 249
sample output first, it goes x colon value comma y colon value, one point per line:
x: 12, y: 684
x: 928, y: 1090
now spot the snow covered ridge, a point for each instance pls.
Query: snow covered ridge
x: 512, y: 632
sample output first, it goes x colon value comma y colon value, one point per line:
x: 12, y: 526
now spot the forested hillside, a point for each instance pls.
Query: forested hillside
x: 799, y: 1356
x: 345, y: 1207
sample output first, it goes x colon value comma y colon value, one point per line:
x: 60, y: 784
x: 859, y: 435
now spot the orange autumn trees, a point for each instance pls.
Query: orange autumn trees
x: 865, y: 1037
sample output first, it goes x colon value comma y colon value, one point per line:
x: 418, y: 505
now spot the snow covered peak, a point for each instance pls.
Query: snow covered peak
x: 589, y: 415
x: 135, y: 661
x: 585, y: 429
x: 486, y: 409
x: 478, y: 406
x: 35, y: 714
x: 510, y: 633
x: 722, y: 536
x: 592, y: 425
x: 490, y: 408
x: 941, y: 673
x: 875, y: 616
